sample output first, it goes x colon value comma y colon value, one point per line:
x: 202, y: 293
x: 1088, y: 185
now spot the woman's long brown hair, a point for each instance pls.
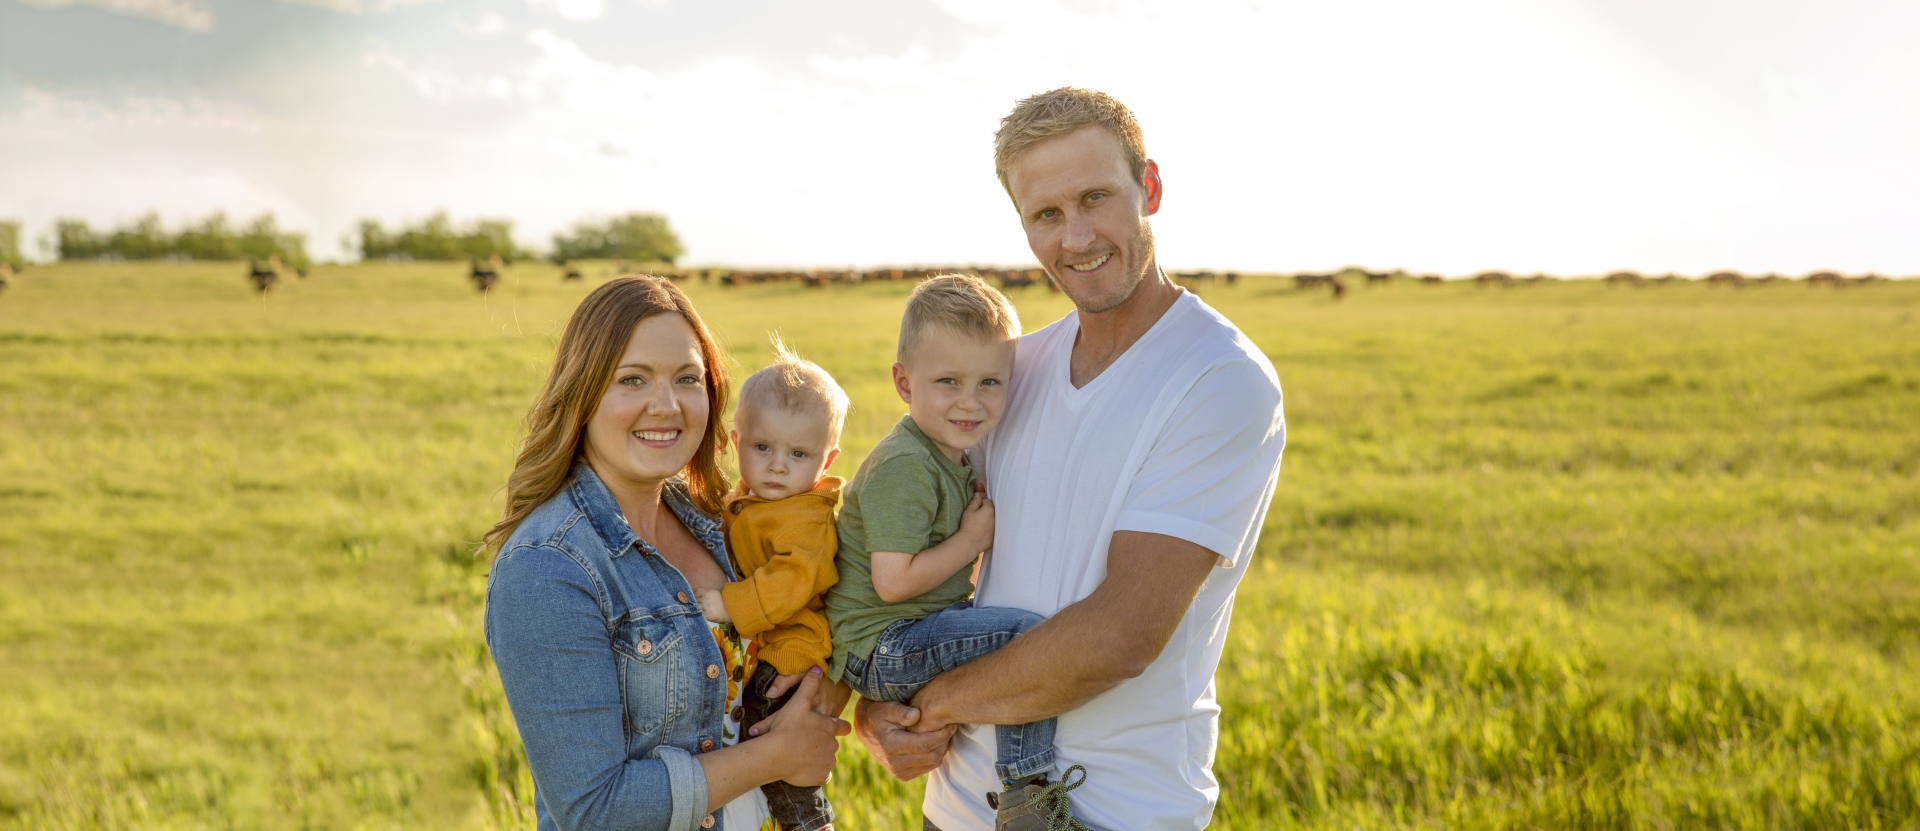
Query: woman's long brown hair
x: 583, y: 366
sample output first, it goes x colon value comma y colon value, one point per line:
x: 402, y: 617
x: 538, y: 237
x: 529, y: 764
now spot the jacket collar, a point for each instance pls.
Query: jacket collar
x: 828, y: 488
x: 591, y: 496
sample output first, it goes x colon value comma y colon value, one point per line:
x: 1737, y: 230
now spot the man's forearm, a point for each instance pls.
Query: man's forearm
x: 1084, y: 650
x: 1005, y: 688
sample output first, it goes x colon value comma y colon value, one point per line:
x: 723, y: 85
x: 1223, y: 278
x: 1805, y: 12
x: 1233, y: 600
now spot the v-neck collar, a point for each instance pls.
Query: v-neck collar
x: 1063, y: 365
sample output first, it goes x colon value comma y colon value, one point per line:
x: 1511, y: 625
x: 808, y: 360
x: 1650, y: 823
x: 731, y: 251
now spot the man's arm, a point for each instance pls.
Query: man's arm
x: 1088, y: 648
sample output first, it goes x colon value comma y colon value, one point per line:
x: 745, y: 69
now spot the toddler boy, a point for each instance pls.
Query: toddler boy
x: 913, y: 524
x: 780, y: 530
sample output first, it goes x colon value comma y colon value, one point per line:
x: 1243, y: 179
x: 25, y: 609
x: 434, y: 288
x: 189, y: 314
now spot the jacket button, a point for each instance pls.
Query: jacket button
x: 708, y: 822
x: 740, y: 713
x: 644, y: 648
x: 706, y: 745
x: 682, y: 596
x: 713, y: 671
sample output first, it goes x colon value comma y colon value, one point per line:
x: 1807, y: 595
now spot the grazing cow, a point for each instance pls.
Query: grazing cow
x: 1493, y: 278
x: 1021, y: 278
x: 1339, y: 288
x: 1308, y: 281
x: 483, y: 275
x: 263, y: 275
x: 1232, y: 277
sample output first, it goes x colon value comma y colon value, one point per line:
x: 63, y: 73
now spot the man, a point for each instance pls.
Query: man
x: 1130, y: 475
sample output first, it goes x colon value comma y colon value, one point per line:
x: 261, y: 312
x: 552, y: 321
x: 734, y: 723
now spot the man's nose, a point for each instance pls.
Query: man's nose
x: 1079, y: 233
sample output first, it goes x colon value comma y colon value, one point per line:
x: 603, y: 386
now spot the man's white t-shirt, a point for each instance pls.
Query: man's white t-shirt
x: 1181, y: 436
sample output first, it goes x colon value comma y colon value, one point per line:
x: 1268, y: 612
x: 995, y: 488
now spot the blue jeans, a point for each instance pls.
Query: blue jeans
x: 911, y: 652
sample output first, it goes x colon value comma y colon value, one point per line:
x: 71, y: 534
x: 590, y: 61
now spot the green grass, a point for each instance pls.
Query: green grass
x: 1557, y: 556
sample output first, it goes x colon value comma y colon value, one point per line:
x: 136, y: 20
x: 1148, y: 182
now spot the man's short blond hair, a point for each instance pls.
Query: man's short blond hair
x: 795, y: 385
x: 1064, y: 110
x: 958, y: 302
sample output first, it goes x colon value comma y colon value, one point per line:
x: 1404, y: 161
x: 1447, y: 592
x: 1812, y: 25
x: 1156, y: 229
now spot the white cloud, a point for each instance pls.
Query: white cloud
x: 1483, y: 133
x: 192, y: 15
x: 359, y: 6
x: 571, y: 9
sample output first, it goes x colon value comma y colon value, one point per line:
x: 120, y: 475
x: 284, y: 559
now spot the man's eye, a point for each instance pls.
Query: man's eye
x: 1096, y: 196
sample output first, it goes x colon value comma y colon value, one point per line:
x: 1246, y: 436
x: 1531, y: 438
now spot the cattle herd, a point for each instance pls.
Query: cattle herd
x: 485, y: 275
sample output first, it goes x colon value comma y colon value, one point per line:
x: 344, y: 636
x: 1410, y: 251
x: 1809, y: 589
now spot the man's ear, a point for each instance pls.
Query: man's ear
x: 1154, y: 188
x: 900, y: 383
x: 831, y: 455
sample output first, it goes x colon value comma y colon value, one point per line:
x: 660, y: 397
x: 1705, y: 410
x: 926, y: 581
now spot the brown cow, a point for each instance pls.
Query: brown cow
x: 263, y: 275
x: 483, y: 275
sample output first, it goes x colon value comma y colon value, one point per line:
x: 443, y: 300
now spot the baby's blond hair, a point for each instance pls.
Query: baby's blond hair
x: 795, y: 385
x: 960, y: 302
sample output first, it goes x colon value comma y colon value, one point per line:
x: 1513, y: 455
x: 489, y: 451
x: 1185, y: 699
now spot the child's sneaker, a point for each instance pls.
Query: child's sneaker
x: 1031, y: 804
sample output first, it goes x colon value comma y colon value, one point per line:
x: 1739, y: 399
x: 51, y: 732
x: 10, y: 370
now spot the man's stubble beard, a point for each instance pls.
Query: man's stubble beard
x: 1140, y: 256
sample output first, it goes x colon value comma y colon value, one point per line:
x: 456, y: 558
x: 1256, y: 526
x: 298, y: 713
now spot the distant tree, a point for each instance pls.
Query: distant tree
x: 436, y: 238
x: 636, y: 236
x: 77, y: 241
x: 211, y: 239
x: 10, y: 243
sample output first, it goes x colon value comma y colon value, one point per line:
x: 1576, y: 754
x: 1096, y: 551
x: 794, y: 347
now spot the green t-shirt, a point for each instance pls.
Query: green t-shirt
x: 906, y: 497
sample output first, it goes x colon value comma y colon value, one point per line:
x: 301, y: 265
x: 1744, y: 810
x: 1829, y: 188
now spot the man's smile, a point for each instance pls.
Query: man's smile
x: 1090, y: 266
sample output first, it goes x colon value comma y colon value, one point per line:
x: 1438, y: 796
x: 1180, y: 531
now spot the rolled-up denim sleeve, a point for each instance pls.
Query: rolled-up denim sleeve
x: 549, y: 639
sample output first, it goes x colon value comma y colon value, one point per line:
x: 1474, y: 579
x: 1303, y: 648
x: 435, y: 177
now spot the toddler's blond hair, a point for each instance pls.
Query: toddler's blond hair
x: 795, y: 385
x: 960, y: 302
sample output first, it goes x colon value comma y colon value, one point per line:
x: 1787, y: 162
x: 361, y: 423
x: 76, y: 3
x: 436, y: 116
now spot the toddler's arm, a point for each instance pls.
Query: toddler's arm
x: 898, y: 576
x: 800, y: 569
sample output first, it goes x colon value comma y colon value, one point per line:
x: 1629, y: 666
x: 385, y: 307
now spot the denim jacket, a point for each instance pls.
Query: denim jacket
x: 607, y: 663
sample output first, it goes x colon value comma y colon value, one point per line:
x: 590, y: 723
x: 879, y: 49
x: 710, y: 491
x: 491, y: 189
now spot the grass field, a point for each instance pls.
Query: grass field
x: 1557, y: 556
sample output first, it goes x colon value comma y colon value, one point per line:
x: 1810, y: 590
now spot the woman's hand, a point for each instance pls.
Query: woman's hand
x: 711, y: 605
x: 829, y: 697
x: 806, y: 740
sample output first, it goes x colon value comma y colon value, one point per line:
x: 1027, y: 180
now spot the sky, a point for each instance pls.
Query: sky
x: 1566, y: 136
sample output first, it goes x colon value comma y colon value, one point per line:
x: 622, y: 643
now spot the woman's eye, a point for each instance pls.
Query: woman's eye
x: 689, y: 379
x: 632, y: 380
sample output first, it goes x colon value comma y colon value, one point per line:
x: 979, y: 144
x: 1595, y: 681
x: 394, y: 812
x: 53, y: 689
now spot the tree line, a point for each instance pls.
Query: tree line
x: 213, y: 238
x: 640, y: 237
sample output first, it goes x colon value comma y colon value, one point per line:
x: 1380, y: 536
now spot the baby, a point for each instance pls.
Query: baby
x: 913, y: 524
x: 780, y: 530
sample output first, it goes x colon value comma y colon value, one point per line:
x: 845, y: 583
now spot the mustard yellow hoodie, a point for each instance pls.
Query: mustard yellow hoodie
x: 783, y: 550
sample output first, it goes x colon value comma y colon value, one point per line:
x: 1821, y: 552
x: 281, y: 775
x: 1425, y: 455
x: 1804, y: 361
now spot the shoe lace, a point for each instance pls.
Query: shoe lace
x: 1059, y: 817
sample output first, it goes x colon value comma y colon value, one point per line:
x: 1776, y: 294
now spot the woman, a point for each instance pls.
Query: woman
x: 625, y: 696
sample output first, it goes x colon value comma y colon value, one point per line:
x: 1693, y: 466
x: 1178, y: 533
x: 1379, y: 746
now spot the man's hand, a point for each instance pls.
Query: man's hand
x: 885, y: 728
x: 712, y: 606
x: 829, y: 698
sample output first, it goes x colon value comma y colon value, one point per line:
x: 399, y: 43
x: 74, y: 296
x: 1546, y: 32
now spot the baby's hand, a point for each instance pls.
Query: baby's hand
x: 977, y: 521
x: 712, y: 605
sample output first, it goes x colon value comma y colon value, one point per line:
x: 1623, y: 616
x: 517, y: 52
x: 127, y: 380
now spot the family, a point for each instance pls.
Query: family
x: 1028, y: 581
